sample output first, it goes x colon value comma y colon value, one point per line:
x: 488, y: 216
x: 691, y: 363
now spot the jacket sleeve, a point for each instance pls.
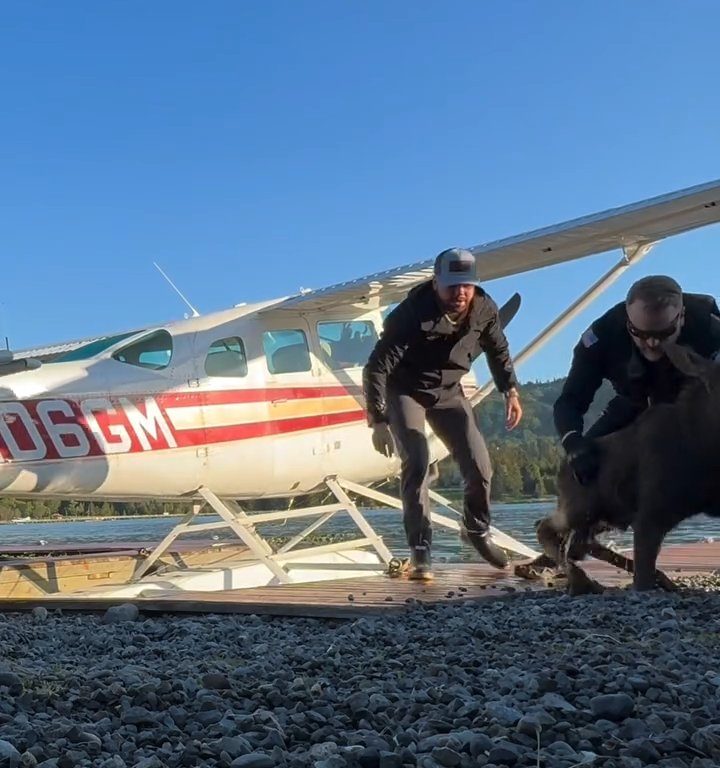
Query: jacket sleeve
x: 583, y: 381
x: 497, y: 352
x: 388, y: 352
x: 714, y: 334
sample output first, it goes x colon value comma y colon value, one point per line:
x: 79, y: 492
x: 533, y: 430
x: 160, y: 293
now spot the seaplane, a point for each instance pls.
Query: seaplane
x: 264, y: 401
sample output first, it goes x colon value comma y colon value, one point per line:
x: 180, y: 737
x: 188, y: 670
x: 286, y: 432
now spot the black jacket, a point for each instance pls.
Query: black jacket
x: 421, y: 353
x: 606, y: 351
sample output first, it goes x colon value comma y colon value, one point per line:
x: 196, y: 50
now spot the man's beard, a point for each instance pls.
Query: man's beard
x: 455, y: 313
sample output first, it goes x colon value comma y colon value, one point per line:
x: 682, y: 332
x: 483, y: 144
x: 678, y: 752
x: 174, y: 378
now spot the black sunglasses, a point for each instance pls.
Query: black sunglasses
x: 660, y: 335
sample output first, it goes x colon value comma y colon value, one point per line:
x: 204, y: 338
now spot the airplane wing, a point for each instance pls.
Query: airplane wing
x: 30, y: 359
x: 648, y: 221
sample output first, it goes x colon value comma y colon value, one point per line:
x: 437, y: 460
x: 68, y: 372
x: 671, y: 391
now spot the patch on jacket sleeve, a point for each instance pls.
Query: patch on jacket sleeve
x: 589, y: 338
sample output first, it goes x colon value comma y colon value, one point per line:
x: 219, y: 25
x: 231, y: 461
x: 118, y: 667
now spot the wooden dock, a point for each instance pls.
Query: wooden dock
x: 372, y: 595
x: 37, y: 571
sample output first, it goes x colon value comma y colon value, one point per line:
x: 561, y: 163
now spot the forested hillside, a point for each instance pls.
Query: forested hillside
x: 525, y: 461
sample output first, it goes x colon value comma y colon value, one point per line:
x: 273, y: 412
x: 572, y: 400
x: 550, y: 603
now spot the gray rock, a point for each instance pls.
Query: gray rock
x: 446, y: 756
x: 358, y: 701
x: 555, y: 701
x: 12, y: 681
x: 138, y: 716
x: 234, y: 746
x: 40, y: 613
x: 707, y: 740
x: 560, y: 749
x: 643, y: 749
x: 508, y: 716
x: 118, y: 614
x: 208, y: 717
x: 324, y: 750
x: 253, y: 760
x: 633, y: 728
x: 480, y: 744
x: 533, y: 722
x: 504, y: 753
x: 392, y: 760
x: 215, y: 681
x: 612, y: 706
x: 9, y: 756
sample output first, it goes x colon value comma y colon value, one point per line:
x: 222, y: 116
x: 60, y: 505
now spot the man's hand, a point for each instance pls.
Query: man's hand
x: 382, y: 439
x: 513, y: 409
x: 583, y: 457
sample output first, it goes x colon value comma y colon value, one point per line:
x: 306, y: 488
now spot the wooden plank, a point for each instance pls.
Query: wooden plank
x: 372, y: 595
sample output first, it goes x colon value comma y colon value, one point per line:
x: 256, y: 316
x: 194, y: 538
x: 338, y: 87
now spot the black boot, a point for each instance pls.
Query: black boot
x: 420, y: 563
x: 485, y: 547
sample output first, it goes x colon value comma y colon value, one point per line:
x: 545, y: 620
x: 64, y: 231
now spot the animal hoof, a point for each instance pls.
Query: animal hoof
x: 579, y: 583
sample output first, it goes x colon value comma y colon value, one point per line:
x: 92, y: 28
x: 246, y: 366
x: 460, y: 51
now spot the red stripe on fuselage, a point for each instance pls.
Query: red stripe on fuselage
x: 240, y: 396
x: 118, y: 427
x: 213, y: 435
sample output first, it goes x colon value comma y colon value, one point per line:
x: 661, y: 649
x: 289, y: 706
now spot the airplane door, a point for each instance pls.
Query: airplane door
x: 234, y: 456
x: 295, y: 401
x: 345, y: 342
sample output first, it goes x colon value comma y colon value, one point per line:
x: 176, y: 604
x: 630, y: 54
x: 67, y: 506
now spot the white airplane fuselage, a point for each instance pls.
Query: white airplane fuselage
x: 106, y: 425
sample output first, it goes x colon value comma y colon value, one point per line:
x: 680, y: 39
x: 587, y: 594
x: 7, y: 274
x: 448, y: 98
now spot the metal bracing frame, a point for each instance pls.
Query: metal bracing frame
x: 501, y: 539
x: 243, y: 524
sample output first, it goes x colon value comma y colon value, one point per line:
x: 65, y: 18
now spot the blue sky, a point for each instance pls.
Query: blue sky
x: 253, y: 148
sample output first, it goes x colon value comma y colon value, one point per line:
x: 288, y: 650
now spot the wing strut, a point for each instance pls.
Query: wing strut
x: 631, y: 255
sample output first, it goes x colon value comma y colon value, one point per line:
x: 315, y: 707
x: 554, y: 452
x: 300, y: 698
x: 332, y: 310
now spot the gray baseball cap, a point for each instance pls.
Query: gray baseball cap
x: 456, y: 266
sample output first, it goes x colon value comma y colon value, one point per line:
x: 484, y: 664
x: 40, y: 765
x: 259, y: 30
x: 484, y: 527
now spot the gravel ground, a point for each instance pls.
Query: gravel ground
x: 618, y: 679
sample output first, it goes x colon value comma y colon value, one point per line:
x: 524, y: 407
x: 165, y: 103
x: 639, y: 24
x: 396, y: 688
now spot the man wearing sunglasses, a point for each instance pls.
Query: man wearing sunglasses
x: 625, y: 346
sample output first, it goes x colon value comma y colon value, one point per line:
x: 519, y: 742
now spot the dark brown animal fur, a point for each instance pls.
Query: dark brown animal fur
x: 659, y: 471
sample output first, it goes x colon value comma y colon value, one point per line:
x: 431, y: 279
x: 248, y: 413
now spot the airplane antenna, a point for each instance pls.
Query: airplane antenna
x: 195, y: 313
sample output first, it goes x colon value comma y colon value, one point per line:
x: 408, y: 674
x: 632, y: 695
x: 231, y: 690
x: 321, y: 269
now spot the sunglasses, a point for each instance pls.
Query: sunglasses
x: 659, y: 335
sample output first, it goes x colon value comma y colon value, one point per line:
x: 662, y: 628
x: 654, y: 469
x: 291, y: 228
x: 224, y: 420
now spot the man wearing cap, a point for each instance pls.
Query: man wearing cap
x: 429, y: 342
x: 625, y: 346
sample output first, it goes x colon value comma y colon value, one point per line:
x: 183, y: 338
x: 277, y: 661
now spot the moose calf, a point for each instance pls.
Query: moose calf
x: 655, y: 473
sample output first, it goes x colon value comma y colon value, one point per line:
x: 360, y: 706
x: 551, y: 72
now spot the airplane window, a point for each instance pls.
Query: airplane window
x: 346, y: 344
x: 226, y: 357
x: 153, y: 351
x: 93, y: 348
x: 286, y: 351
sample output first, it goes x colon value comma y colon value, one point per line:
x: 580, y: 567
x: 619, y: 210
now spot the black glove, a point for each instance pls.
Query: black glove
x: 382, y: 439
x: 583, y: 457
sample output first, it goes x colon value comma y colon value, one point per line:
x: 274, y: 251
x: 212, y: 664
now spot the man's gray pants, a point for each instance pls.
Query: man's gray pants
x: 453, y: 422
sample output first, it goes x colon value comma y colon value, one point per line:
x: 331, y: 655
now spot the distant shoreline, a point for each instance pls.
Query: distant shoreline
x: 210, y: 513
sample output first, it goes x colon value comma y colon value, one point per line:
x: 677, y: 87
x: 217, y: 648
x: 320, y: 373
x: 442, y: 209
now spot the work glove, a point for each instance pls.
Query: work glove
x: 583, y: 457
x: 382, y: 439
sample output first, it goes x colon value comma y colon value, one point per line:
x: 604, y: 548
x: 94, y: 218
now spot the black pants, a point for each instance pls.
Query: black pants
x: 453, y: 422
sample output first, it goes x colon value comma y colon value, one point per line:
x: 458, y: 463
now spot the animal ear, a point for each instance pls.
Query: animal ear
x: 688, y: 362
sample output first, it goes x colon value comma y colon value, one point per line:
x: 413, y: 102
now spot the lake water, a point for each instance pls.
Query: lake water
x: 514, y: 519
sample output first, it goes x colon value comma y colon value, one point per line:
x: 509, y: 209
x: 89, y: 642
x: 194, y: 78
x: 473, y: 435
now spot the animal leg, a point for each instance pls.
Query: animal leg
x: 601, y: 552
x: 551, y: 542
x: 579, y: 583
x: 647, y: 540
